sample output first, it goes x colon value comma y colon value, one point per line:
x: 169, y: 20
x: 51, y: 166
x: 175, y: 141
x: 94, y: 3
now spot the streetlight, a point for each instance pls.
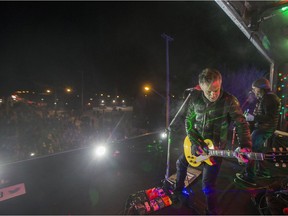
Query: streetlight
x: 68, y: 90
x: 148, y: 88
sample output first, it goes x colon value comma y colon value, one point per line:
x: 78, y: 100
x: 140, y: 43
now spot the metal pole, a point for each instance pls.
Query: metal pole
x: 167, y: 40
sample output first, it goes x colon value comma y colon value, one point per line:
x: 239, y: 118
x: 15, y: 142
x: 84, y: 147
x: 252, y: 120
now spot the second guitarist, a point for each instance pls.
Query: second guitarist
x: 265, y: 118
x: 209, y: 114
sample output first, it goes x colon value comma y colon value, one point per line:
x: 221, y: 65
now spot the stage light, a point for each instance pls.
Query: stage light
x: 100, y: 151
x: 164, y: 135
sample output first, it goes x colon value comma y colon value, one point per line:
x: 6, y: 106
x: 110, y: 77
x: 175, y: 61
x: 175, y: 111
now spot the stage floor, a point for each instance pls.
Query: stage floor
x: 75, y: 183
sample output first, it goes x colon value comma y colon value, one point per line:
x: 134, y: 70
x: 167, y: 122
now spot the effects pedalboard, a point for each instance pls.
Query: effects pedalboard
x: 148, y: 201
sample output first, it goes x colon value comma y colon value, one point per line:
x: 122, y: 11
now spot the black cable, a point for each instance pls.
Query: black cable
x: 127, y: 208
x: 262, y: 209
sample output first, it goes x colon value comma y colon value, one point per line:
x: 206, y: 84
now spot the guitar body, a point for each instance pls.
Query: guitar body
x: 196, y: 161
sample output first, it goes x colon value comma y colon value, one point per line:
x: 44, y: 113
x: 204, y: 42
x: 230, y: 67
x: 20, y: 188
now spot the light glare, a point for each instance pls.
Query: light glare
x: 164, y: 135
x: 100, y: 151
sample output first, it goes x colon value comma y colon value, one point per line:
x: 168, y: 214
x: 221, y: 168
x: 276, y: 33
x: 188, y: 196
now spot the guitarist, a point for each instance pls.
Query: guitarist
x: 210, y: 111
x: 265, y: 117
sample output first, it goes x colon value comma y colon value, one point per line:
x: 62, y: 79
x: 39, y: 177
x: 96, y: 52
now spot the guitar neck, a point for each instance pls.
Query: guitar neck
x: 230, y: 154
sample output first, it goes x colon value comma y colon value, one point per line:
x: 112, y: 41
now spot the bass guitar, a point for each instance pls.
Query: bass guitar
x: 195, y: 161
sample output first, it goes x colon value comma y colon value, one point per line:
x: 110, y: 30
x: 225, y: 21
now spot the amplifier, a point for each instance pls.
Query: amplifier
x: 280, y: 141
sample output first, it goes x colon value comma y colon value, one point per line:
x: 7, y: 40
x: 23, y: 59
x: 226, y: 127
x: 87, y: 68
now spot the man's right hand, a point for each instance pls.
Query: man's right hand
x: 239, y: 153
x: 197, y: 150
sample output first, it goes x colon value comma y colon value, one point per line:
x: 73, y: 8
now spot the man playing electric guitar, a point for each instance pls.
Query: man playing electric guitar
x: 209, y: 114
x: 265, y: 117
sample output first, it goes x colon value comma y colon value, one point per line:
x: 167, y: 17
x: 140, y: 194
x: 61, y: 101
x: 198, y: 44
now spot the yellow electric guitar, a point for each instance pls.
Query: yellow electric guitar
x: 193, y: 160
x: 275, y: 156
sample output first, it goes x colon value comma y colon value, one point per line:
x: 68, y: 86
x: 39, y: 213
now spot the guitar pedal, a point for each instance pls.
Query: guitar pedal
x: 154, y: 205
x: 147, y: 206
x: 160, y: 202
x: 167, y: 201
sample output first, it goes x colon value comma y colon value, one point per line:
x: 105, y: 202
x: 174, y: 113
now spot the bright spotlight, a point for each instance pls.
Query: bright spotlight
x: 100, y: 151
x: 164, y: 135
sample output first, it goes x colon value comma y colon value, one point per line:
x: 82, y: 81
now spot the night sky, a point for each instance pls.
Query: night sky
x: 116, y: 46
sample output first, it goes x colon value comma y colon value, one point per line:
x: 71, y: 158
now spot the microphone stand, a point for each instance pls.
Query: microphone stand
x: 168, y: 137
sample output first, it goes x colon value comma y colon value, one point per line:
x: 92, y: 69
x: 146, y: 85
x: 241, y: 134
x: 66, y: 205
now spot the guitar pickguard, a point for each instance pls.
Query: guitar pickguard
x: 196, y: 161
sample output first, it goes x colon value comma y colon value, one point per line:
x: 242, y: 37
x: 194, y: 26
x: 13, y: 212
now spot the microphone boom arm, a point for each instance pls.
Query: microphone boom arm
x: 168, y: 136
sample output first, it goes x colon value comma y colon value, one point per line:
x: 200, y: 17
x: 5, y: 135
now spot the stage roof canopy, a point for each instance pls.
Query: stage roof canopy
x: 265, y: 23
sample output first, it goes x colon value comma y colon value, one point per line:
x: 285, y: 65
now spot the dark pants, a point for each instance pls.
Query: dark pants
x: 259, y: 137
x: 209, y: 176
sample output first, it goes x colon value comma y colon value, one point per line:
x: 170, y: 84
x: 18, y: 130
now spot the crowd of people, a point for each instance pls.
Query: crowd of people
x: 29, y: 131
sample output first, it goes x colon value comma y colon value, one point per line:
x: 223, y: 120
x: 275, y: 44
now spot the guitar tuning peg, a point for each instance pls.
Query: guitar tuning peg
x: 281, y: 149
x: 277, y: 164
x: 274, y: 149
x: 284, y: 165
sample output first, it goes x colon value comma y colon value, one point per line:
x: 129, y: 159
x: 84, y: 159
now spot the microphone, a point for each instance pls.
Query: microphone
x: 197, y: 87
x: 190, y: 89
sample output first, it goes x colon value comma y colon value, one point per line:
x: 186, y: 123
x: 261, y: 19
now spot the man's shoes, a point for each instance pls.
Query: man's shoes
x: 246, y: 179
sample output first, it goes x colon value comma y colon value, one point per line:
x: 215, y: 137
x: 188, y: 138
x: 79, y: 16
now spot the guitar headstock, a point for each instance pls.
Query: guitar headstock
x: 278, y: 156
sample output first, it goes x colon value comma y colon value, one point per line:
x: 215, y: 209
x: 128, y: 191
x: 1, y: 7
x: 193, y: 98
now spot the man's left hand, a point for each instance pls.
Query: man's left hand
x: 249, y: 117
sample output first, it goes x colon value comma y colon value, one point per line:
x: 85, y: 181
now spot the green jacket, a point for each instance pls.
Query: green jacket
x: 211, y: 120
